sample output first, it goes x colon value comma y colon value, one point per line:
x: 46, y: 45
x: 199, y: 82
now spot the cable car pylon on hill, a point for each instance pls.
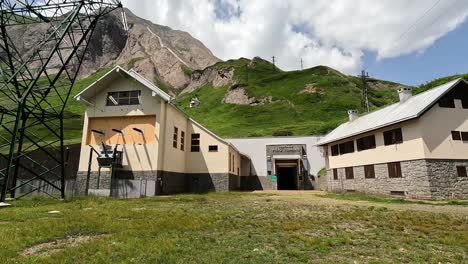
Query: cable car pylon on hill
x: 35, y: 85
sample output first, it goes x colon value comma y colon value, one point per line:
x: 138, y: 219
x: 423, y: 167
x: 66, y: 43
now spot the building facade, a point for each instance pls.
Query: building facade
x: 417, y: 148
x: 163, y: 151
x: 280, y: 163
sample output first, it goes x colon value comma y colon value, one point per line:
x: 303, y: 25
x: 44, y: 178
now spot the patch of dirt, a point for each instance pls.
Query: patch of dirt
x: 238, y: 96
x: 223, y: 77
x: 311, y: 89
x: 4, y: 223
x: 383, y: 85
x: 49, y: 248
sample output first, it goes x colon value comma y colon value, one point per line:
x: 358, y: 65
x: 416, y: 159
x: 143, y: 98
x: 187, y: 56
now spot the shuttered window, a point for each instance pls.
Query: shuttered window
x: 447, y: 102
x: 461, y: 171
x: 394, y: 136
x: 195, y: 143
x: 346, y: 147
x: 349, y: 171
x: 182, y: 140
x: 369, y: 172
x: 366, y: 143
x: 394, y: 170
x: 464, y: 136
x: 335, y: 150
x: 174, y: 137
x: 456, y: 135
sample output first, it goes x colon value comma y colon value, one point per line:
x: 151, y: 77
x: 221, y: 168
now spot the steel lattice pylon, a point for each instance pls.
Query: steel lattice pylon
x: 35, y: 84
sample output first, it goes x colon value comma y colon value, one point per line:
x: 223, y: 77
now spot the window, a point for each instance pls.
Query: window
x: 456, y: 135
x: 238, y: 171
x: 369, y: 172
x: 397, y: 193
x: 195, y: 143
x: 182, y: 140
x: 447, y: 102
x: 394, y: 170
x: 233, y: 163
x: 393, y: 136
x: 366, y: 143
x: 174, y: 137
x: 464, y: 136
x: 123, y: 98
x: 213, y: 148
x: 347, y: 147
x: 334, y: 150
x: 335, y: 174
x: 349, y: 171
x: 461, y: 171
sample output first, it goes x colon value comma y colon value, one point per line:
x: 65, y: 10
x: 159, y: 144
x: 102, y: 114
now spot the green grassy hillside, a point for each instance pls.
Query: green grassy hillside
x: 291, y: 111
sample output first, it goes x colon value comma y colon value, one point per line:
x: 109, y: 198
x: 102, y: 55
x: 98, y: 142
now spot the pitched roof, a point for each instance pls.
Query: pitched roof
x: 116, y: 72
x: 412, y: 108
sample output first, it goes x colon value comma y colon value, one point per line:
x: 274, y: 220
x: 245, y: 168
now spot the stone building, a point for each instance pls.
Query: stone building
x: 416, y: 148
x: 162, y: 150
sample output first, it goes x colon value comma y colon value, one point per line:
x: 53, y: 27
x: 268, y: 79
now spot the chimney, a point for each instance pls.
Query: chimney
x: 405, y: 93
x: 353, y: 115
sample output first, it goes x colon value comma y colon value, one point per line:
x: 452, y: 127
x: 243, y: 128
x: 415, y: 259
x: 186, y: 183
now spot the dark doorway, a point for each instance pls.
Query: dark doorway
x: 287, y: 177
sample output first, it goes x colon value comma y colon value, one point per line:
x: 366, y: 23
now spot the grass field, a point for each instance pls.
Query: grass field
x: 232, y: 228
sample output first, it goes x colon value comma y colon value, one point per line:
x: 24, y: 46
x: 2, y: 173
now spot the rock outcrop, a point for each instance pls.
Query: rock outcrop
x: 154, y: 51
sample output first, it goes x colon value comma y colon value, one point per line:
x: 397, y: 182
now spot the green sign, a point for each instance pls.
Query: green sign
x: 273, y: 177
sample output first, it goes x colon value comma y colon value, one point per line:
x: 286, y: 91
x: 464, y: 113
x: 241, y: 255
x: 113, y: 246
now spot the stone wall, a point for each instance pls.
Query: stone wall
x: 444, y: 180
x: 150, y: 183
x: 421, y: 179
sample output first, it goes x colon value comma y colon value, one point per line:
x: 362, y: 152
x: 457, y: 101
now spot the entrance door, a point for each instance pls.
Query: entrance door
x: 286, y: 171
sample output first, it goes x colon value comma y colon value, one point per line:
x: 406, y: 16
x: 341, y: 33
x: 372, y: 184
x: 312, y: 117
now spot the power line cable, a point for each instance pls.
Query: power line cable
x: 400, y: 37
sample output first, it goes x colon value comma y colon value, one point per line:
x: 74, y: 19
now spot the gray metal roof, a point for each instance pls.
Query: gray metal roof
x: 392, y: 114
x: 118, y: 71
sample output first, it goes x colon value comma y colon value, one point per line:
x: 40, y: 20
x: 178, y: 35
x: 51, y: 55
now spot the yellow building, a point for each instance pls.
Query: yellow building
x: 160, y: 150
x: 416, y: 148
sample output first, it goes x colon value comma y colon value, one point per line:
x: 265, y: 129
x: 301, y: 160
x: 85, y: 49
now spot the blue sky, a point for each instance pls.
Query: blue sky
x: 342, y: 34
x: 447, y: 56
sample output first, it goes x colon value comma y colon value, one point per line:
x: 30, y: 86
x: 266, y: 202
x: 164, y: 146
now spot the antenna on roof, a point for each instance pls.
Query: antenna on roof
x: 365, y: 90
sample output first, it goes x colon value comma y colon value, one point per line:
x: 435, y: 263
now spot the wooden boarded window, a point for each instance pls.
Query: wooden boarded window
x: 349, y: 171
x: 195, y: 143
x: 394, y: 170
x: 347, y: 147
x: 137, y: 130
x: 335, y: 174
x: 461, y: 171
x: 369, y: 172
x: 456, y: 135
x: 182, y: 140
x: 174, y: 137
x: 366, y: 143
x: 394, y: 136
x: 335, y: 150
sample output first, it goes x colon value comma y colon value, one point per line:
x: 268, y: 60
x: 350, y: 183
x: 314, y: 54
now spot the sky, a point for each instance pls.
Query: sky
x: 410, y: 42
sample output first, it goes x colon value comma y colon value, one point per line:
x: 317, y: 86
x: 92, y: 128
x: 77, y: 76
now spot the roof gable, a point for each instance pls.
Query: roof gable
x: 119, y: 72
x: 414, y: 107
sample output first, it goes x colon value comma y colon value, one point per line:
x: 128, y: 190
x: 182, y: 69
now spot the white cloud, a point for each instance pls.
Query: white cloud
x: 332, y: 32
